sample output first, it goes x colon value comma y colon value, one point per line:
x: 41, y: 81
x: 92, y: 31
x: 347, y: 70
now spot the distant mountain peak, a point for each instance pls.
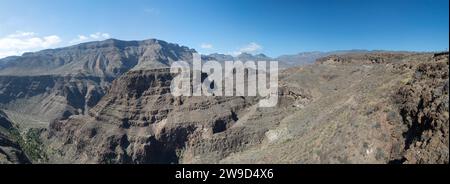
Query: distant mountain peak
x: 108, y: 58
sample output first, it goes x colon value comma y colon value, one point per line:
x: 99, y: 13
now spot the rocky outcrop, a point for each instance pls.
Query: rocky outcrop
x: 110, y: 102
x: 326, y: 114
x: 10, y: 151
x: 424, y: 106
x: 51, y: 97
x: 139, y: 121
x: 51, y: 85
x: 5, y: 123
x: 373, y: 58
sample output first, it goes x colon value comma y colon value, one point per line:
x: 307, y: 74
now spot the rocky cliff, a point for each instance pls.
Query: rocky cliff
x: 10, y: 150
x: 109, y: 58
x: 139, y: 121
x: 327, y: 113
x: 109, y: 102
x: 54, y: 84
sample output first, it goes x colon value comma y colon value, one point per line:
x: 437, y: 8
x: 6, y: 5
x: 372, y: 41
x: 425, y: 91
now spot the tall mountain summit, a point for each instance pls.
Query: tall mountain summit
x: 109, y: 58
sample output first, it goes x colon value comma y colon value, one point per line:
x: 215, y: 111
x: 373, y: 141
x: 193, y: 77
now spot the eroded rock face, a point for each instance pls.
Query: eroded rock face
x: 139, y: 121
x: 51, y: 97
x: 110, y: 58
x: 5, y: 123
x: 424, y: 106
x: 326, y: 114
x: 10, y: 151
x: 372, y: 58
x: 110, y: 102
x: 56, y: 83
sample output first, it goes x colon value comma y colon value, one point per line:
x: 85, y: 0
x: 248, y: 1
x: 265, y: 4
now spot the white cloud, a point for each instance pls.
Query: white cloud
x: 20, y: 42
x: 91, y: 37
x: 152, y: 11
x: 206, y: 46
x: 7, y: 53
x: 80, y: 38
x: 99, y: 35
x: 249, y: 48
x: 19, y: 34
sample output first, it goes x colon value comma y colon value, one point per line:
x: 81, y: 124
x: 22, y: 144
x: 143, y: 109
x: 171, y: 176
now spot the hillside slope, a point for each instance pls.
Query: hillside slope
x: 54, y: 84
x: 330, y: 112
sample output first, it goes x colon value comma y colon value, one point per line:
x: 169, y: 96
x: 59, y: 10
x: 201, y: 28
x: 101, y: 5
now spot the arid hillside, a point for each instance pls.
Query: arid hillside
x: 395, y: 111
x: 362, y: 107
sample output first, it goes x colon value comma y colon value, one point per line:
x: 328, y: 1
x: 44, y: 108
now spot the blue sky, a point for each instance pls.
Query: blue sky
x: 229, y: 26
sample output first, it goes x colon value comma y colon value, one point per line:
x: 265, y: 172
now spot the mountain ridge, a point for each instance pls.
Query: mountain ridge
x: 116, y: 107
x: 109, y: 58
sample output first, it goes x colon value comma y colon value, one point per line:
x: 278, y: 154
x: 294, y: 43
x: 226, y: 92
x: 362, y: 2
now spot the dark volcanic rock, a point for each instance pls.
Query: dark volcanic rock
x: 10, y: 151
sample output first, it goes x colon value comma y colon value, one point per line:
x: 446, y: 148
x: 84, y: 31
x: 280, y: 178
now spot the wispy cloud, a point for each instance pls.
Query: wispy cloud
x: 80, y: 38
x: 19, y: 34
x: 99, y: 35
x: 20, y: 42
x: 206, y: 46
x: 152, y: 11
x: 91, y: 37
x: 251, y: 48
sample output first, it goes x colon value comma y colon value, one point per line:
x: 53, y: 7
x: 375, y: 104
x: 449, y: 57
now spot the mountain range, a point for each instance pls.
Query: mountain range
x: 110, y: 102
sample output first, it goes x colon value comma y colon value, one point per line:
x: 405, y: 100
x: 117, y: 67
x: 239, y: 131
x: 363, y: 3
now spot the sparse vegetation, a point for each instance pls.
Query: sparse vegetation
x: 30, y: 144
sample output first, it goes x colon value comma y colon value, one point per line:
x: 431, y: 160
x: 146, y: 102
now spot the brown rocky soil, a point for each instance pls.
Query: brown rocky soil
x: 357, y: 112
x: 109, y: 102
x: 423, y: 104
